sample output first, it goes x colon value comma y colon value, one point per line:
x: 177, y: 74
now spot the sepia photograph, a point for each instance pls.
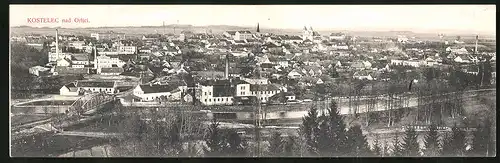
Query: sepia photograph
x: 252, y: 80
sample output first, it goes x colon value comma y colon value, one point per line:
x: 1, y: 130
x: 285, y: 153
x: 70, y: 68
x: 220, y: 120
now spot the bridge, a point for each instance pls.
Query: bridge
x: 88, y: 103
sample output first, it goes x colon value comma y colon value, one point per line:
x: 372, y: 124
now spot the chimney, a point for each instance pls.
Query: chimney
x: 475, y: 48
x: 226, y: 73
x: 57, y: 44
x: 95, y: 58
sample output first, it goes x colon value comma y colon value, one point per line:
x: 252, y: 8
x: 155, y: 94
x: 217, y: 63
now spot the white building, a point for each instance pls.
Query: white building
x: 53, y: 57
x: 69, y: 90
x: 96, y: 86
x: 39, y: 70
x: 106, y: 61
x: 337, y: 36
x: 157, y: 92
x: 127, y: 49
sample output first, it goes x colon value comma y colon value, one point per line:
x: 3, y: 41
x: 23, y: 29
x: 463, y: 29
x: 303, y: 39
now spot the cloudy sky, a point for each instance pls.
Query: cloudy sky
x: 476, y: 18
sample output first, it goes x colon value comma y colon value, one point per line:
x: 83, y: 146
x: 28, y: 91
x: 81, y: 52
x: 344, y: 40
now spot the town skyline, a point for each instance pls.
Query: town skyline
x: 476, y: 19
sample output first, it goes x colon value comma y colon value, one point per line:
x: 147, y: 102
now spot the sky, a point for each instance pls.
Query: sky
x: 476, y: 18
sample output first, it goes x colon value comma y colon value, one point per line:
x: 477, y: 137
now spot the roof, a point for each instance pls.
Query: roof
x: 223, y: 82
x: 245, y: 32
x: 264, y: 87
x: 157, y: 88
x: 231, y: 32
x: 106, y: 84
x: 71, y: 70
x: 72, y: 87
x: 337, y: 34
x: 112, y: 70
x: 80, y: 57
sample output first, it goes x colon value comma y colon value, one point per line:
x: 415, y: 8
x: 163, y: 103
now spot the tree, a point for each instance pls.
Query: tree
x: 337, y: 130
x: 377, y: 151
x: 309, y: 128
x: 356, y: 143
x: 324, y: 137
x: 481, y: 142
x: 454, y: 145
x: 431, y: 142
x: 289, y: 146
x: 275, y: 145
x: 410, y: 143
x: 214, y: 141
x: 397, y: 149
x: 235, y: 145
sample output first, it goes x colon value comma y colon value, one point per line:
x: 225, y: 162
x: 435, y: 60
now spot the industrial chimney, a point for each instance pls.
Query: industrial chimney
x: 226, y: 73
x: 475, y: 48
x: 57, y: 44
x: 95, y: 57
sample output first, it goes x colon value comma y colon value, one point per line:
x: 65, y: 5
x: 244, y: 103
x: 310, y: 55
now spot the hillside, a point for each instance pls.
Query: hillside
x: 219, y: 29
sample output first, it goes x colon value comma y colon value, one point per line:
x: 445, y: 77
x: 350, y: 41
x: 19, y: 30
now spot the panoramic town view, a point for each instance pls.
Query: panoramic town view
x: 252, y: 81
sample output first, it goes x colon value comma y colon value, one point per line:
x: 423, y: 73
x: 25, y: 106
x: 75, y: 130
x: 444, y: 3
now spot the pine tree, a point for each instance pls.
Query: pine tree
x: 356, y: 143
x: 377, y: 151
x: 214, y: 140
x: 289, y: 146
x: 235, y: 145
x: 397, y: 150
x: 324, y: 139
x: 410, y: 143
x: 432, y: 145
x: 309, y: 128
x: 337, y: 131
x: 454, y: 145
x: 481, y: 141
x: 275, y: 145
x: 385, y: 149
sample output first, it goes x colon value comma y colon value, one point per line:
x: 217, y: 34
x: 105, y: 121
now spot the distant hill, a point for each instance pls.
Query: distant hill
x: 219, y: 29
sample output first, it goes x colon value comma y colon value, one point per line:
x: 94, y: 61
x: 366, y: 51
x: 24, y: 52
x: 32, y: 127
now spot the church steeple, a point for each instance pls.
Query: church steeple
x: 258, y: 30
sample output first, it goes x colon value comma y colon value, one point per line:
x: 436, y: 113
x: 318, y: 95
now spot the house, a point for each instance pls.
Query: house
x: 462, y: 59
x: 358, y: 65
x: 39, y: 71
x: 457, y: 50
x: 363, y: 75
x: 150, y: 92
x: 222, y: 92
x: 65, y: 62
x: 96, y: 86
x: 109, y: 61
x: 110, y: 71
x: 239, y: 35
x: 291, y: 39
x: 69, y: 90
x: 337, y: 36
x: 264, y: 91
x: 319, y: 81
x: 294, y: 74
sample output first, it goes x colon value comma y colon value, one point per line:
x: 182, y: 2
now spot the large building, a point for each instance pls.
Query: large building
x: 82, y: 87
x: 150, y: 92
x: 309, y: 34
x: 239, y: 35
x: 107, y: 35
x: 103, y: 61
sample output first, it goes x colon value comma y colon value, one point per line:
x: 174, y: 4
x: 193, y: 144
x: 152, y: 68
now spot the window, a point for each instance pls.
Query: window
x: 210, y: 100
x: 205, y: 100
x: 243, y: 93
x: 205, y: 93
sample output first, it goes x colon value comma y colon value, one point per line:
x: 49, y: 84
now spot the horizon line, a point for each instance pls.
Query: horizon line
x: 437, y: 31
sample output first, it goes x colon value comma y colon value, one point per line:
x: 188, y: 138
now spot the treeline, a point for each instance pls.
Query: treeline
x: 321, y: 134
